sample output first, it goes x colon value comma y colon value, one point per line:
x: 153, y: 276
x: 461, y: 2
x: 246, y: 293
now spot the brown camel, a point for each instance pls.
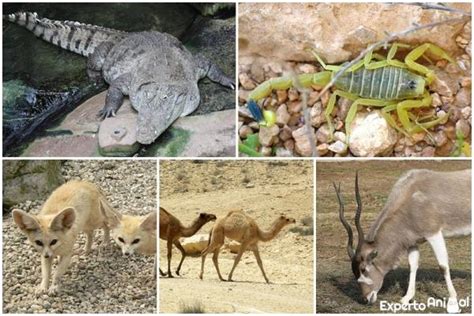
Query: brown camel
x: 171, y: 230
x: 237, y: 225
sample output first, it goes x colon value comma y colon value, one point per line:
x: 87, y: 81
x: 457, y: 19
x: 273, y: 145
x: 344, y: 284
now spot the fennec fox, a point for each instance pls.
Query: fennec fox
x: 72, y: 208
x: 133, y: 234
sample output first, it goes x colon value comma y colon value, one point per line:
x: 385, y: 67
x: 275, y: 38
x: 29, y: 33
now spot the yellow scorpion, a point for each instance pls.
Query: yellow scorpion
x: 373, y: 81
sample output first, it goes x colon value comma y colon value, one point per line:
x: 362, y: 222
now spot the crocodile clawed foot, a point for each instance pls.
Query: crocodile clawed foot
x: 105, y: 113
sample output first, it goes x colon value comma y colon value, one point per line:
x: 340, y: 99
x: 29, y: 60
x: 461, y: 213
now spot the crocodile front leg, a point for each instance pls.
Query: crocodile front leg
x: 115, y: 95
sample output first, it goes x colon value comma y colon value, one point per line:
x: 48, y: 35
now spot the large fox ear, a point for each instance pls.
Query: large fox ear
x: 112, y: 218
x: 25, y: 221
x: 64, y: 220
x: 149, y: 223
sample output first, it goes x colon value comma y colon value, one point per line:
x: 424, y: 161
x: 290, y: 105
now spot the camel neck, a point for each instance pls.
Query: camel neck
x: 272, y: 232
x: 193, y: 228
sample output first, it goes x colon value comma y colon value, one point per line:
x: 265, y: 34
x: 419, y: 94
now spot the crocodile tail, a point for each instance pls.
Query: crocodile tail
x: 76, y: 37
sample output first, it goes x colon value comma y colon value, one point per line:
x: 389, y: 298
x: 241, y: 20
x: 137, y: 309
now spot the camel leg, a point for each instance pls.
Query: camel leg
x: 243, y: 247
x: 183, y: 254
x: 216, y: 262
x: 169, y: 246
x: 256, y: 253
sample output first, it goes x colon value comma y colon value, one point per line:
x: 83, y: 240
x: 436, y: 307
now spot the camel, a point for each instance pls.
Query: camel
x: 171, y: 230
x: 237, y: 225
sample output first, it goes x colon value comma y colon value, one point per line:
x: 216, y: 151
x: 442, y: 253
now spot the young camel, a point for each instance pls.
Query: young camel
x: 171, y: 230
x: 237, y: 225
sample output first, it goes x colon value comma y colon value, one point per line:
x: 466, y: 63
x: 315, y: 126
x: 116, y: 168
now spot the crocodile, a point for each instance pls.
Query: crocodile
x: 154, y: 69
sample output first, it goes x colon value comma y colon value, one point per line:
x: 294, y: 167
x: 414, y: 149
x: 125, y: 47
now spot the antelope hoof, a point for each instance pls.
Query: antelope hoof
x: 405, y: 300
x: 453, y: 306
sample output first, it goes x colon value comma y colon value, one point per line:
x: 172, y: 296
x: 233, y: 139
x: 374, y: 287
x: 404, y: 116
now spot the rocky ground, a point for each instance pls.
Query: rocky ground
x: 264, y: 190
x: 371, y: 135
x: 105, y: 282
x: 336, y: 289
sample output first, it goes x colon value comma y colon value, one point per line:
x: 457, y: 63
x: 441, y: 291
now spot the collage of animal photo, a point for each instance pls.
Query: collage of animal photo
x: 300, y: 157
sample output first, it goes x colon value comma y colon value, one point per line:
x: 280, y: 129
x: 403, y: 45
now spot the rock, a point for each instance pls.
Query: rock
x: 340, y: 136
x: 293, y: 95
x: 208, y: 135
x: 466, y: 113
x: 428, y: 152
x: 194, y: 245
x: 266, y: 136
x: 436, y: 100
x: 266, y: 151
x: 289, y: 144
x: 445, y: 84
x: 282, y: 116
x: 317, y: 114
x: 213, y: 9
x: 337, y: 31
x: 463, y: 98
x: 322, y: 149
x: 463, y: 127
x: 243, y: 96
x: 343, y: 106
x: 63, y: 146
x: 118, y: 136
x: 246, y: 82
x: 26, y: 180
x: 440, y: 138
x: 285, y: 133
x: 322, y: 134
x: 244, y: 112
x: 302, y: 143
x: 282, y: 96
x: 215, y: 39
x: 294, y: 107
x: 371, y: 135
x: 283, y: 152
x: 338, y: 147
x: 245, y: 131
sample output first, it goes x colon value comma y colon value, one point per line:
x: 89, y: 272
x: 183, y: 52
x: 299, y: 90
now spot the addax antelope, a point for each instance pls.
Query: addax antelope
x: 423, y: 206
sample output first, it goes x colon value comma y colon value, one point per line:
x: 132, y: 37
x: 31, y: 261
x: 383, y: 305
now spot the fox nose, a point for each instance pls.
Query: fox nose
x: 46, y: 256
x: 126, y: 253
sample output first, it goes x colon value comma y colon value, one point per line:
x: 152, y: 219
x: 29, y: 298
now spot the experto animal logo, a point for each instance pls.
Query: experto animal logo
x: 451, y: 306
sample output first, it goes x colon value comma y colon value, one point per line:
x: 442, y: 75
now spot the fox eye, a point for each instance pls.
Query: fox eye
x: 121, y: 240
x: 39, y: 243
x: 53, y: 242
x: 136, y: 241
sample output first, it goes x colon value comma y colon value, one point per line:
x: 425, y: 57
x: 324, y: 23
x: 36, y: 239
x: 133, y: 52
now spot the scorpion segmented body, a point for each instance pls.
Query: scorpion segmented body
x: 388, y: 83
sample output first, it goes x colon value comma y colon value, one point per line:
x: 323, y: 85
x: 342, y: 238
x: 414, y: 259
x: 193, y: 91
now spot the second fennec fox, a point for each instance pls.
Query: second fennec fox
x: 133, y: 234
x: 72, y: 208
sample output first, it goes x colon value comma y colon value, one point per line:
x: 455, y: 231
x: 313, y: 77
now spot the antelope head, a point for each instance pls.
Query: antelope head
x: 368, y: 276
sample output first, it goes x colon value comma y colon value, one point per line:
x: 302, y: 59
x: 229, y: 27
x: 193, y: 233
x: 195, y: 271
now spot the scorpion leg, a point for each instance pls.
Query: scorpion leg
x: 416, y: 53
x: 330, y: 108
x: 370, y: 102
x: 408, y: 125
x: 382, y: 62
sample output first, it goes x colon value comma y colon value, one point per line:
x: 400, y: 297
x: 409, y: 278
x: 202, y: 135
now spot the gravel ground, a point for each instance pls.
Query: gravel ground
x: 99, y: 283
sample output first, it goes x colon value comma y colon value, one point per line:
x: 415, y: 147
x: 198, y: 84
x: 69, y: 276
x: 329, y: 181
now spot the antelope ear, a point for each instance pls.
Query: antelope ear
x: 25, y: 221
x: 64, y: 220
x: 112, y: 218
x: 149, y: 223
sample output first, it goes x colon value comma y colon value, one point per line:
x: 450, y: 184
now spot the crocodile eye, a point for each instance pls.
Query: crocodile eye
x: 39, y: 243
x: 121, y: 240
x: 53, y: 242
x: 136, y: 241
